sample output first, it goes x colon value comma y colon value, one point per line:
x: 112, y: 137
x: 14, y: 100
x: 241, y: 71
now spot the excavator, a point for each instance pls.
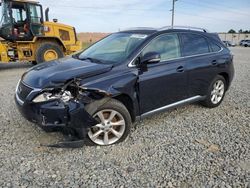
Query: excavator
x: 26, y: 34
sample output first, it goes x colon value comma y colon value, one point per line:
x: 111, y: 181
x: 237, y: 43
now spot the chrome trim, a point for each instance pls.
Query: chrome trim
x: 18, y: 83
x: 19, y: 100
x: 34, y: 90
x: 184, y: 27
x: 139, y: 28
x: 16, y: 95
x: 185, y: 101
x: 131, y: 62
x: 167, y: 28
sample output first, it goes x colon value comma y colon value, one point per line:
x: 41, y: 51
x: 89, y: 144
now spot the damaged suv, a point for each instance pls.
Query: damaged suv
x: 96, y: 94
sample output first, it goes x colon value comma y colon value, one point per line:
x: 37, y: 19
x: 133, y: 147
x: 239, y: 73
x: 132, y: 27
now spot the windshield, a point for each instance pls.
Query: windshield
x: 114, y: 48
x: 4, y: 14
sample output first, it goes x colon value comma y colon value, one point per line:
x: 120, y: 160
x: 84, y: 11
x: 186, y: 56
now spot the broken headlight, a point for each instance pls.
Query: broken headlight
x: 65, y: 96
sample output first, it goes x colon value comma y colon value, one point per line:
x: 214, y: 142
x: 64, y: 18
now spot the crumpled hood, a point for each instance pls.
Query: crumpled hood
x: 58, y: 72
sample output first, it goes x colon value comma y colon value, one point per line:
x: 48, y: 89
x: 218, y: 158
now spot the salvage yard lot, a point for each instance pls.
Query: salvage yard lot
x: 189, y: 146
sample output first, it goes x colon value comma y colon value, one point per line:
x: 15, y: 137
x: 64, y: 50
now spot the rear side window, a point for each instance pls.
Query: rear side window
x: 194, y: 44
x: 214, y: 47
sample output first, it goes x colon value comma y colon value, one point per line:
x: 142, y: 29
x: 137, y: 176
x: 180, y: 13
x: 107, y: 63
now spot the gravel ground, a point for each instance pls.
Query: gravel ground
x: 191, y: 146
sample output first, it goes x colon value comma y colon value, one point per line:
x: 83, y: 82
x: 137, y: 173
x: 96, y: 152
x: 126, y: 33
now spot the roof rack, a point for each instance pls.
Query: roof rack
x: 139, y: 28
x: 184, y: 27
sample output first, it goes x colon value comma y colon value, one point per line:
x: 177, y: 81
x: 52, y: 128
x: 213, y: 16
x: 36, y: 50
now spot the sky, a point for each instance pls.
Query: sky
x: 114, y: 15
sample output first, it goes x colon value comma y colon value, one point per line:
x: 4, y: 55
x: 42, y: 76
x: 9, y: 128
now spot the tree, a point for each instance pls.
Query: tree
x: 246, y: 31
x: 240, y: 31
x: 231, y: 31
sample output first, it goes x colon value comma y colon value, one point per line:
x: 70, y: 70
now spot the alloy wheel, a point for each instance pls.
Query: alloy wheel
x: 217, y: 92
x: 110, y: 129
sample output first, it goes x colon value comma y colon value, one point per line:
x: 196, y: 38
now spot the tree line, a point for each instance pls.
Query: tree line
x: 240, y: 31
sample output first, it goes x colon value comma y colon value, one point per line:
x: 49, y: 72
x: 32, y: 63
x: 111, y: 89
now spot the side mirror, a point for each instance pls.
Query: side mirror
x: 151, y: 58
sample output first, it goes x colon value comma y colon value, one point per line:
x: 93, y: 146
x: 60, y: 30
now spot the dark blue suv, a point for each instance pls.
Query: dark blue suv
x: 96, y: 94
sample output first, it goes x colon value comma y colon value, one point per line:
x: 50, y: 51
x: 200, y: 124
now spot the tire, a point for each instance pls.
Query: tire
x: 50, y: 50
x: 106, y: 109
x: 245, y: 45
x: 211, y: 101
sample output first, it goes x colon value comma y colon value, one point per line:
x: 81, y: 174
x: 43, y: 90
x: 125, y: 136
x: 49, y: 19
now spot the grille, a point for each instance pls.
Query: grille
x: 23, y: 91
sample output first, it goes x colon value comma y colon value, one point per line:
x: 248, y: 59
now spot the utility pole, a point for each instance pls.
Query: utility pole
x: 173, y: 9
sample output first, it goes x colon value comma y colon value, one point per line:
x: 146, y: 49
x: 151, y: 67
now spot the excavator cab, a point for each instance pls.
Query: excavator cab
x: 20, y: 20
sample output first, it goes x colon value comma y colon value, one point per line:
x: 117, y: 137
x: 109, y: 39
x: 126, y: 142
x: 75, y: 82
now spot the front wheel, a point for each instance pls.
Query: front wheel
x: 216, y: 92
x: 114, y: 123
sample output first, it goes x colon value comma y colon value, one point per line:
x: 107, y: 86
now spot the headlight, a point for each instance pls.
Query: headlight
x: 47, y: 96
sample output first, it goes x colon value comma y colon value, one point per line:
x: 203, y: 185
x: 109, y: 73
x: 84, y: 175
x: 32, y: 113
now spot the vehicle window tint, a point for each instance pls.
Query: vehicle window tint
x: 166, y: 45
x: 214, y: 47
x: 194, y: 44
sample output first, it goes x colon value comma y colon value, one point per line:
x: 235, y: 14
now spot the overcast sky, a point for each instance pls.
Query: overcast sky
x: 112, y: 15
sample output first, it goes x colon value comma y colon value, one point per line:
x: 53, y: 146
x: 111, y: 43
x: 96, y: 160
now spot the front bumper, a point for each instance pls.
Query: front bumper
x: 56, y: 114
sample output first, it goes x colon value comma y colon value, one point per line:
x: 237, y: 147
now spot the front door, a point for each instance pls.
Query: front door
x: 165, y: 82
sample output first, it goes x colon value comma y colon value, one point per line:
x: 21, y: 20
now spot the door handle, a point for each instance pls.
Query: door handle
x: 180, y: 69
x: 214, y: 63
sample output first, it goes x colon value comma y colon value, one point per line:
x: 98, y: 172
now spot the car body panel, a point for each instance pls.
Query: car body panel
x: 58, y: 72
x: 162, y: 84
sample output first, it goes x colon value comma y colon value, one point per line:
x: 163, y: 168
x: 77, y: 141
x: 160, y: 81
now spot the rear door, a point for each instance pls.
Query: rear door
x: 201, y: 62
x: 165, y: 82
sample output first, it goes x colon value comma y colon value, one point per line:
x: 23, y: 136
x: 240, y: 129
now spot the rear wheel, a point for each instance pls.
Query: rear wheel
x: 114, y: 123
x: 48, y: 52
x: 216, y: 92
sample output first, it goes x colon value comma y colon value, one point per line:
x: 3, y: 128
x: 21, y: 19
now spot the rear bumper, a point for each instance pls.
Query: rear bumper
x: 56, y: 114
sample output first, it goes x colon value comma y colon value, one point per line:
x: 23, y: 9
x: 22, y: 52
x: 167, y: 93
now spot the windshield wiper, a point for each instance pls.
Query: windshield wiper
x: 94, y: 60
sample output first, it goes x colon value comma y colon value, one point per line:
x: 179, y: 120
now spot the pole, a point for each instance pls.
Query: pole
x: 173, y: 9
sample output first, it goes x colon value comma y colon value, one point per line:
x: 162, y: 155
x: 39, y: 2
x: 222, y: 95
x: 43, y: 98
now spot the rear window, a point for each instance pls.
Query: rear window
x: 194, y: 44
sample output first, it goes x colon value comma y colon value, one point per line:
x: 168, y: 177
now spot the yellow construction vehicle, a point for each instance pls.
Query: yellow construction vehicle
x: 28, y: 36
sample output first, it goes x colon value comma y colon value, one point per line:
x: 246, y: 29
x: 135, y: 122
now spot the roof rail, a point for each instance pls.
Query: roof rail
x: 184, y: 27
x: 138, y: 28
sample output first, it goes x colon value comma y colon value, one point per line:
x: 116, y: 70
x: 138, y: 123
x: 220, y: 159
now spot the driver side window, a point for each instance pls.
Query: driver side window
x: 167, y: 45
